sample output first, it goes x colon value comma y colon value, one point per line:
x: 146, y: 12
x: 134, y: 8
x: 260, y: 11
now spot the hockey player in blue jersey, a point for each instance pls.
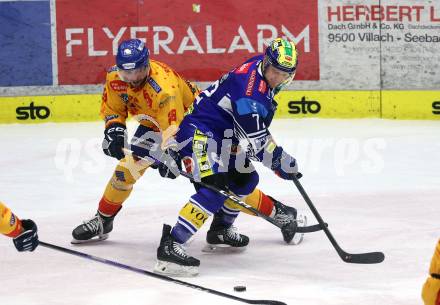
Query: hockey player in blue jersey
x: 227, y: 129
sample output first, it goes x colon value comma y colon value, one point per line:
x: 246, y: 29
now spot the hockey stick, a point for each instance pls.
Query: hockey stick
x: 158, y: 276
x: 361, y: 258
x: 150, y: 159
x: 305, y: 229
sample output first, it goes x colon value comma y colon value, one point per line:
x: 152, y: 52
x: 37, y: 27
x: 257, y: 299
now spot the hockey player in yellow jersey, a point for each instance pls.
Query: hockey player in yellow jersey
x: 431, y: 289
x: 23, y: 231
x: 158, y: 97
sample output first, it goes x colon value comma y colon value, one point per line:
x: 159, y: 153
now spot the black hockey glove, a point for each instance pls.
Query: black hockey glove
x: 171, y: 164
x: 115, y: 137
x: 28, y: 240
x: 284, y: 165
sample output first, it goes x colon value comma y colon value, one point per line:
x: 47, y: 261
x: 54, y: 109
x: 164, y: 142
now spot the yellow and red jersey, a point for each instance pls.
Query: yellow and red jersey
x: 10, y: 225
x: 165, y: 97
x: 431, y: 289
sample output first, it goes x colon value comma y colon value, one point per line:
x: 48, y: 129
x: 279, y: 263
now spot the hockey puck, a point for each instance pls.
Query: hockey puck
x: 240, y: 288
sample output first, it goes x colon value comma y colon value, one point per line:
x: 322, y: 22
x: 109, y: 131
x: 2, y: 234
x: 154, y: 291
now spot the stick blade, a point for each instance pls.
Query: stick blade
x: 311, y: 228
x: 363, y: 258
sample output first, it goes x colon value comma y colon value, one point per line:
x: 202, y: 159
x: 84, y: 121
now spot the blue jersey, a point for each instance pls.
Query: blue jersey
x: 241, y: 101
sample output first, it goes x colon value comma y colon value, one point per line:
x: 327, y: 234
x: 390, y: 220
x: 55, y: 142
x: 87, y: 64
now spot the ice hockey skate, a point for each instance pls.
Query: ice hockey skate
x: 93, y: 230
x: 223, y: 238
x: 290, y: 220
x: 172, y: 259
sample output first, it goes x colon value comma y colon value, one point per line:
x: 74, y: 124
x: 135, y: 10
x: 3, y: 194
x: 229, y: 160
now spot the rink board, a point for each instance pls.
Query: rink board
x: 43, y: 109
x: 420, y: 105
x: 417, y: 105
x: 329, y: 104
x: 393, y: 104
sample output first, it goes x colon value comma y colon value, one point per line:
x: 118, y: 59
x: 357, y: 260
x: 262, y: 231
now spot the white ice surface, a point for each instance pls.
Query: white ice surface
x: 376, y: 182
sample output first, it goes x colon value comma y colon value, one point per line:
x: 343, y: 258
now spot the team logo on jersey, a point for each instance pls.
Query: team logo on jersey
x: 243, y: 69
x: 262, y: 86
x: 154, y: 85
x: 118, y: 85
x: 250, y: 85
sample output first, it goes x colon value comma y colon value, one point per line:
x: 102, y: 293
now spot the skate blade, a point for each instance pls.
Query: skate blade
x: 222, y: 248
x: 302, y: 222
x: 172, y: 269
x: 89, y: 241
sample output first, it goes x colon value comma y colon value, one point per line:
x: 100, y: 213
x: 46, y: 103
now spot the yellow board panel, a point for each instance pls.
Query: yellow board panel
x: 328, y: 104
x: 421, y: 105
x: 411, y: 105
x: 43, y: 109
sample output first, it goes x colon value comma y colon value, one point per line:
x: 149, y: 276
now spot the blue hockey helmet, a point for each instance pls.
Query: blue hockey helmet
x: 282, y: 54
x: 132, y: 54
